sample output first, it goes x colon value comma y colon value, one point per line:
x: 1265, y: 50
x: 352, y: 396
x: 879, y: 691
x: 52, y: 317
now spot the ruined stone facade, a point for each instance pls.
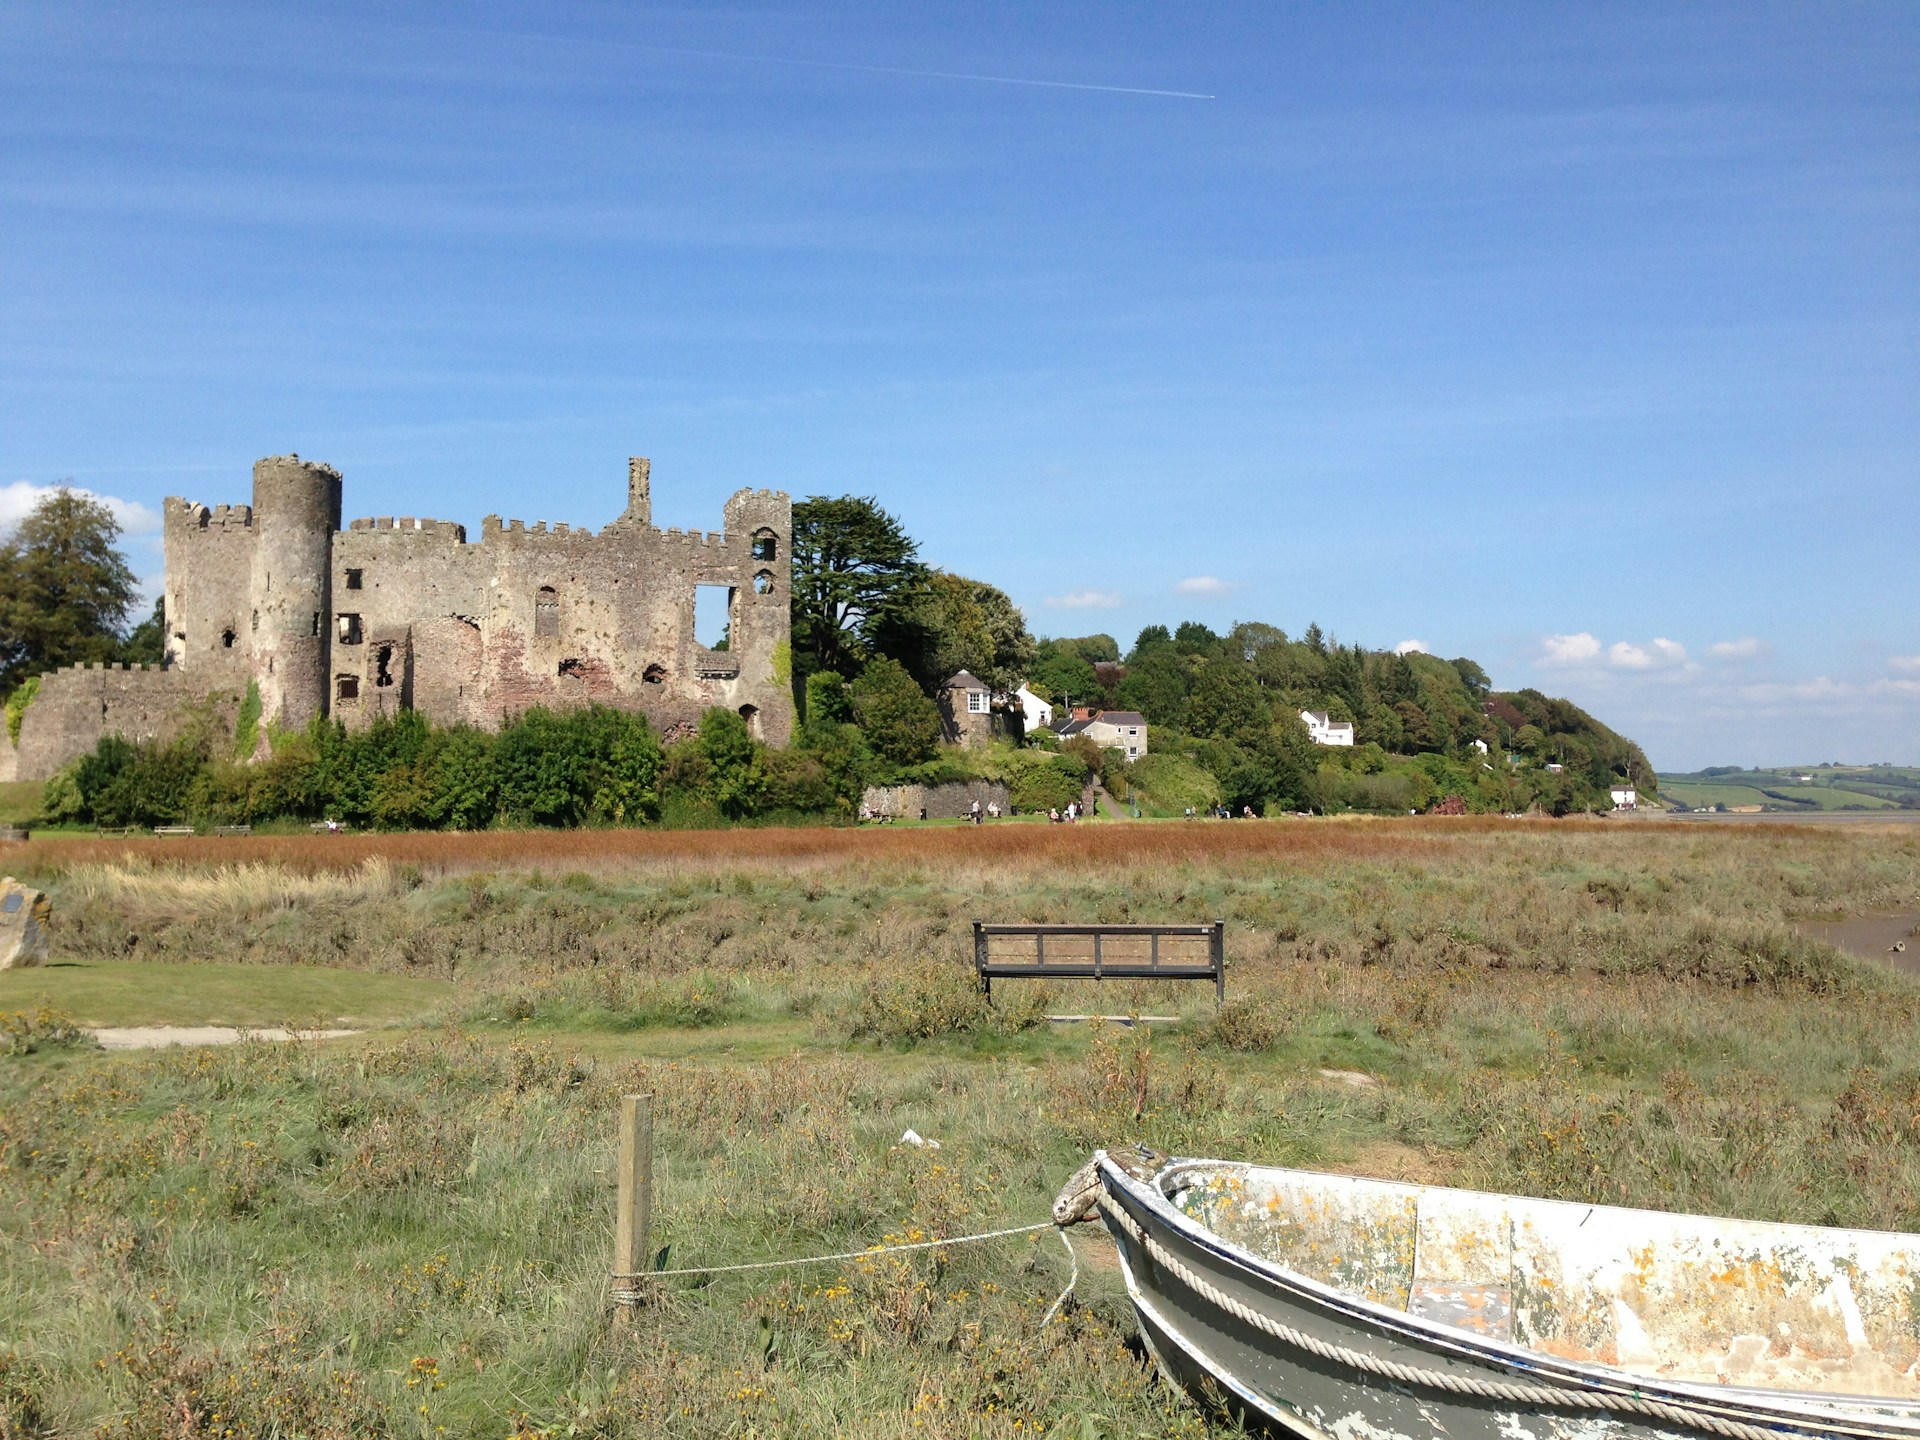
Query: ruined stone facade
x: 390, y: 614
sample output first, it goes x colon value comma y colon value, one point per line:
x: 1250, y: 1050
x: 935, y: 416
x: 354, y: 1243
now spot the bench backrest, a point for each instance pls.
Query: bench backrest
x: 1100, y: 952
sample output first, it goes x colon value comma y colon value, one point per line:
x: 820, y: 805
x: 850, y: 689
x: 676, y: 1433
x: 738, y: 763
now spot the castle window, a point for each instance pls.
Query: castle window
x: 655, y: 675
x: 350, y: 633
x: 546, y: 612
x: 346, y: 687
x: 316, y: 624
x: 383, y: 666
x: 751, y: 714
x: 353, y: 579
x: 226, y: 637
x: 763, y: 583
x: 766, y: 545
x: 573, y: 667
x: 712, y: 615
x: 256, y: 621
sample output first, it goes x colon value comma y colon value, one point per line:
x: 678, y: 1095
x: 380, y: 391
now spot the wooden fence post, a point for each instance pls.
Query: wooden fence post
x: 633, y: 1213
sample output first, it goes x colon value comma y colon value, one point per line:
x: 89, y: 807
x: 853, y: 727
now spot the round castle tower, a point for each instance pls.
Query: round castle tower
x: 296, y: 510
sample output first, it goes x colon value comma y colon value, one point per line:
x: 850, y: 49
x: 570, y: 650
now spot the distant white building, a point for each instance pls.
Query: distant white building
x: 1480, y: 746
x: 1039, y: 712
x: 1323, y: 730
x: 1625, y: 797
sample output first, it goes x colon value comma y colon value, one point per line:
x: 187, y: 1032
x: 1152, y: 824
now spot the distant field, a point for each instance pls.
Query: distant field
x: 1832, y: 787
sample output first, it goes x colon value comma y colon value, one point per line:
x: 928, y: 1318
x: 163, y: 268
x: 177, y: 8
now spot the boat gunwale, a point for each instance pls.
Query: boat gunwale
x: 1789, y: 1406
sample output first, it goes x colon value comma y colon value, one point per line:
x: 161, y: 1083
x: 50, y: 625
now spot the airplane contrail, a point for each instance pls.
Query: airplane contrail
x: 845, y: 65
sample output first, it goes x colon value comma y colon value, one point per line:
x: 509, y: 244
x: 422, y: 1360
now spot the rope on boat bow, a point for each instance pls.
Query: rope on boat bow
x: 1507, y: 1392
x: 630, y: 1294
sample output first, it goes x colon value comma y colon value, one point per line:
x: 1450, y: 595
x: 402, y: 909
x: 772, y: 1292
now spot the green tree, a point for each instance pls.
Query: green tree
x: 1226, y: 702
x: 952, y: 624
x: 146, y: 643
x: 901, y: 724
x: 854, y: 570
x: 1193, y: 638
x: 1059, y: 672
x: 827, y: 700
x: 65, y: 590
x: 1473, y: 677
x: 736, y: 781
x: 1156, y: 686
x: 1147, y: 639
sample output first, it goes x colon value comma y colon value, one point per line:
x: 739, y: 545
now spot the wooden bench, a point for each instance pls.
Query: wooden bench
x: 233, y: 829
x: 1101, y: 952
x: 327, y: 827
x: 15, y: 832
x: 116, y: 832
x: 172, y: 832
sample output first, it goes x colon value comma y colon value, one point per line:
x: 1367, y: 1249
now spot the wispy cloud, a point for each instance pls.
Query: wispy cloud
x: 1204, y: 585
x: 1658, y: 654
x: 1905, y: 662
x: 1412, y: 647
x: 1561, y: 650
x: 1745, y: 648
x: 1084, y: 599
x: 18, y: 499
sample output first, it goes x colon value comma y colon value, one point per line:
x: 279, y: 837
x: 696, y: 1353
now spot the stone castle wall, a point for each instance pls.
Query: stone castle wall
x: 390, y: 614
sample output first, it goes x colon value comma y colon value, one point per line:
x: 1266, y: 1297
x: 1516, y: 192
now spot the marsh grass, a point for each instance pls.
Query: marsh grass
x: 412, y: 1232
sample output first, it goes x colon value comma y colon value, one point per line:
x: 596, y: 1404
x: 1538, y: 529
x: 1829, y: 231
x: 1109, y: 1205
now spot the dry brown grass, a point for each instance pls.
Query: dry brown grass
x: 1003, y: 846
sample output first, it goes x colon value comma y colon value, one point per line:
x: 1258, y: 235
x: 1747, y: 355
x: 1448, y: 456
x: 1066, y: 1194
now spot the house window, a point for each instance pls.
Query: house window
x: 546, y: 612
x: 350, y: 630
x: 353, y: 579
x: 976, y: 702
x: 346, y: 687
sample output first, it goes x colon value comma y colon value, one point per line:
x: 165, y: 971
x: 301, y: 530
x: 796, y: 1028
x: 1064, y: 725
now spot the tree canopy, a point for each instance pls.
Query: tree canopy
x: 66, y: 593
x: 854, y: 570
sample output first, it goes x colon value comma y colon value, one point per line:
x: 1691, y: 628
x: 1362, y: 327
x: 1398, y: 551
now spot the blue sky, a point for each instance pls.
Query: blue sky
x: 1581, y: 340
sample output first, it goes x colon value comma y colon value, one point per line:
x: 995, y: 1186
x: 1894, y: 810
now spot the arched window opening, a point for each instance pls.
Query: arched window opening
x: 763, y: 583
x: 546, y: 612
x: 751, y: 714
x: 766, y: 545
x: 655, y: 675
x: 226, y: 638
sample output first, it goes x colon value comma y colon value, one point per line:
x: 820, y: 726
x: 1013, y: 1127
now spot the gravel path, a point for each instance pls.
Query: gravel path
x: 153, y: 1037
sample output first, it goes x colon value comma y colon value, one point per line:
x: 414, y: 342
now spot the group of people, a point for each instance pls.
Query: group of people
x: 1065, y: 817
x: 1222, y: 812
x: 977, y: 816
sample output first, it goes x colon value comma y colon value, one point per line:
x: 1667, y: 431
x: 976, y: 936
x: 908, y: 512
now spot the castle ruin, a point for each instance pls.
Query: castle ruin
x: 396, y: 614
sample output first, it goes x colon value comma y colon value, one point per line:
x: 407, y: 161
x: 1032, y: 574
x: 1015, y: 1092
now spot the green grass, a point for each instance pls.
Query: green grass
x: 123, y: 992
x: 19, y: 802
x: 1831, y: 787
x: 289, y: 1235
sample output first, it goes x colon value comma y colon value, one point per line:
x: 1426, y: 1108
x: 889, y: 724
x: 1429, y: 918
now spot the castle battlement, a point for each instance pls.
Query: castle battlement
x: 408, y: 525
x: 216, y: 517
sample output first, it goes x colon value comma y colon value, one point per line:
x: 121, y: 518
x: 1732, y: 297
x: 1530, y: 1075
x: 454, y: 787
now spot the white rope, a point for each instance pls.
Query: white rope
x: 1506, y: 1392
x: 631, y: 1296
x: 1072, y: 1280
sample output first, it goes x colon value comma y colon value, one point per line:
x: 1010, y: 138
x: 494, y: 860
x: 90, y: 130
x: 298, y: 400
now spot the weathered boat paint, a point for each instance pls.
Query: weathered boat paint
x: 1798, y: 1330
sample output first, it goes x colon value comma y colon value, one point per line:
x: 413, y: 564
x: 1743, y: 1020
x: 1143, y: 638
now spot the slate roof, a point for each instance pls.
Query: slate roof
x: 1122, y: 717
x: 966, y: 680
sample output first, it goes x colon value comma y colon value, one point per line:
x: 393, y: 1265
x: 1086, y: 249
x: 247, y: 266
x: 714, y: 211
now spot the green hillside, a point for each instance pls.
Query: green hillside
x: 1796, y: 787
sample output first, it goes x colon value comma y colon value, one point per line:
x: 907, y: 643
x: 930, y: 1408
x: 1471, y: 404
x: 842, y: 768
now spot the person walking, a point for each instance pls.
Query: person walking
x: 974, y: 813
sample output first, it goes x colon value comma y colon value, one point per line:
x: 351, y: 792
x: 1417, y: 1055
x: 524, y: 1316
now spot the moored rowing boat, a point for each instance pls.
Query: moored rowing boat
x: 1335, y: 1308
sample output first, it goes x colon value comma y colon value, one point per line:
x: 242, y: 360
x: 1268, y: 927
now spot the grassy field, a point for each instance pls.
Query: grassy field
x: 1825, y: 787
x: 408, y: 1233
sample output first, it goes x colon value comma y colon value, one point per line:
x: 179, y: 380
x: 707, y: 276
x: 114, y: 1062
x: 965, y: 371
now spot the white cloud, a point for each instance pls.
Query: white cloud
x: 19, y: 498
x: 1084, y: 599
x: 1819, y: 689
x: 1657, y: 654
x: 1204, y: 585
x: 1569, y: 649
x: 1905, y: 662
x: 1412, y: 647
x: 1745, y: 648
x: 1894, y: 687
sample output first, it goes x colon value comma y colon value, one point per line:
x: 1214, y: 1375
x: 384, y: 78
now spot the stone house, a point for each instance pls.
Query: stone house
x: 966, y: 711
x: 1123, y: 730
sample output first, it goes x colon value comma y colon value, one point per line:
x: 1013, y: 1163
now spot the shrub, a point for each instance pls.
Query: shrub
x: 1242, y: 1026
x: 1048, y: 787
x: 26, y: 1032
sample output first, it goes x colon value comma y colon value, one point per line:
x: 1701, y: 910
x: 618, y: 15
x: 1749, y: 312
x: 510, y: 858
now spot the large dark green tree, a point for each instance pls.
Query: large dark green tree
x: 66, y: 593
x: 900, y: 722
x: 854, y: 571
x: 956, y: 624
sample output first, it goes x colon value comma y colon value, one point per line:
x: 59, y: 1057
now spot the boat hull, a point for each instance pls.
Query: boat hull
x: 1294, y: 1358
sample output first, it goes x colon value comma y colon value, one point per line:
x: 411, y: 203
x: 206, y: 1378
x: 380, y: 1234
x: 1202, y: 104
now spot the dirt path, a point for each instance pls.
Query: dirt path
x: 154, y: 1037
